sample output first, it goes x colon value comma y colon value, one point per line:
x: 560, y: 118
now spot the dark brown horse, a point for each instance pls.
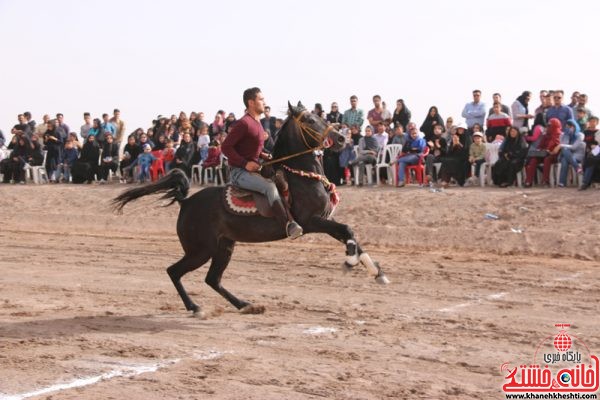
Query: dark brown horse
x: 208, y: 231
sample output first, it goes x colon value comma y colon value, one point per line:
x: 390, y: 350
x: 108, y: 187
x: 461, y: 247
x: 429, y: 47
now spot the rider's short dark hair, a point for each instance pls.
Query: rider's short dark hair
x: 250, y: 94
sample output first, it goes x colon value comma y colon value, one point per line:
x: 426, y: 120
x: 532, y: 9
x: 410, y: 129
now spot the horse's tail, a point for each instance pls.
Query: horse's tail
x: 175, y: 186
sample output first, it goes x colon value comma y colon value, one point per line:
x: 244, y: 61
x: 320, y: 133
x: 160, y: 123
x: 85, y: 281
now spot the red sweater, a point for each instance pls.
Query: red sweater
x: 244, y: 142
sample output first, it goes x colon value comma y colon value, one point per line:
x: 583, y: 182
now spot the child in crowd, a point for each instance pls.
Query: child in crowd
x: 168, y: 154
x: 203, y: 143
x: 213, y: 158
x: 68, y: 158
x: 144, y: 160
x: 477, y: 152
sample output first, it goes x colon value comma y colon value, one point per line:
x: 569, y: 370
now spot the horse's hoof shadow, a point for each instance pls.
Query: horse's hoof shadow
x: 199, y: 314
x: 252, y: 309
x: 347, y: 267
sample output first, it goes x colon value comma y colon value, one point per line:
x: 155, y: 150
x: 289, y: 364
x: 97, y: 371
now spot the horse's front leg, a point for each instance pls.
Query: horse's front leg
x: 354, y: 253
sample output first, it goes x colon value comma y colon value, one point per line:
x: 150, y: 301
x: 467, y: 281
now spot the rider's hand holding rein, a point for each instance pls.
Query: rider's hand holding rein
x: 252, y: 166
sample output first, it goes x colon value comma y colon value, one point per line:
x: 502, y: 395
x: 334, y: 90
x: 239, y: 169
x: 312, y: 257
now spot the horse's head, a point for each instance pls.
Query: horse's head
x: 315, y: 131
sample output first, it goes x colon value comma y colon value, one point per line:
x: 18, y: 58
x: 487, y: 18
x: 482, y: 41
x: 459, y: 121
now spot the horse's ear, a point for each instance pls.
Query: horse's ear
x: 290, y: 108
x: 300, y: 105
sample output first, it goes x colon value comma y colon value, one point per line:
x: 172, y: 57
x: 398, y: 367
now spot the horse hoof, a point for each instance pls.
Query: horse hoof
x: 347, y: 267
x: 252, y: 309
x: 199, y: 314
x: 382, y: 279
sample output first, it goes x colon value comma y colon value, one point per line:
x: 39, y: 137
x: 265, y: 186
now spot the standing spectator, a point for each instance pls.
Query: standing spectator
x: 474, y: 112
x: 334, y: 116
x: 402, y: 115
x: 546, y: 153
x: 543, y: 95
x: 203, y: 143
x: 497, y: 123
x: 96, y: 129
x: 106, y: 126
x: 497, y: 99
x: 353, y: 115
x: 572, y: 151
x: 61, y: 127
x: 558, y: 110
x: 119, y: 125
x: 433, y: 118
x: 29, y: 121
x: 230, y: 120
x: 22, y: 126
x: 318, y: 110
x: 378, y: 113
x: 84, y: 131
x: 217, y: 126
x: 581, y: 118
x: 574, y: 100
x: 541, y: 113
x: 520, y: 111
x: 41, y: 128
x: 54, y: 144
x: 511, y: 157
x: 582, y: 103
x: 412, y: 151
x: 268, y: 124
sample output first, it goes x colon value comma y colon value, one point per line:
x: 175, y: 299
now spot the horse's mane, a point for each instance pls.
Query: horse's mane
x: 280, y: 140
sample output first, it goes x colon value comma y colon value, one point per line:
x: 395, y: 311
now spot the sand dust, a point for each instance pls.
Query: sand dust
x: 84, y: 294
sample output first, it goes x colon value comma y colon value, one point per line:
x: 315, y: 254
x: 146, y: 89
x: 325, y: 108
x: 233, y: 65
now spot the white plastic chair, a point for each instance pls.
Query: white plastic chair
x: 576, y: 179
x: 38, y: 172
x: 390, y: 152
x: 485, y: 170
x: 209, y: 173
x: 197, y: 174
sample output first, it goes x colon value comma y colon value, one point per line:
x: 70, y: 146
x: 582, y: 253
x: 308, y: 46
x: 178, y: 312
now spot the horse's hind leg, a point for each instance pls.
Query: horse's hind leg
x: 176, y: 271
x: 213, y: 278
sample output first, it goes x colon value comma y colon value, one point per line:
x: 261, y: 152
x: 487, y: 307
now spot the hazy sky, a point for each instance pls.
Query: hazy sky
x: 162, y: 57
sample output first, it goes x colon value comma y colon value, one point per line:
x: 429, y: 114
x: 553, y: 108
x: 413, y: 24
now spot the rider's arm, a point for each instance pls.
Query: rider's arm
x: 228, y: 146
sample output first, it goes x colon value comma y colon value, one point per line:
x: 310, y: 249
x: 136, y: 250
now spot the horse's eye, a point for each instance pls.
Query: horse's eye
x: 311, y: 120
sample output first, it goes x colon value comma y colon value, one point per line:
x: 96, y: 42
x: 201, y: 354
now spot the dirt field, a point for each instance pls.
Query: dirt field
x: 84, y: 297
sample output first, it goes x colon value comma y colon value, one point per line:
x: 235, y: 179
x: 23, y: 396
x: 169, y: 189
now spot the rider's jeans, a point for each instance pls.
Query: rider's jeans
x: 255, y: 182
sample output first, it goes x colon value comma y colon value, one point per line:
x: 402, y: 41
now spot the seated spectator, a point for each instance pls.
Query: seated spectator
x: 2, y: 139
x: 213, y: 159
x: 497, y: 123
x: 572, y: 151
x: 355, y: 134
x: 592, y: 132
x: 75, y: 140
x: 144, y: 161
x: 592, y: 165
x: 546, y: 153
x: 110, y: 157
x: 367, y: 152
x: 12, y: 167
x: 96, y: 129
x: 381, y: 135
x: 203, y: 142
x: 433, y: 118
x: 437, y: 150
x: 86, y: 166
x: 169, y: 154
x: 456, y: 161
x: 477, y: 152
x: 36, y: 154
x: 412, y: 152
x: 511, y: 158
x: 144, y: 140
x: 184, y: 155
x: 130, y: 153
x: 70, y: 154
x: 397, y: 136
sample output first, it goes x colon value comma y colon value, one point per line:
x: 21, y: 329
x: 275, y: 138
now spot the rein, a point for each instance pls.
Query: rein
x: 306, y: 130
x: 334, y: 197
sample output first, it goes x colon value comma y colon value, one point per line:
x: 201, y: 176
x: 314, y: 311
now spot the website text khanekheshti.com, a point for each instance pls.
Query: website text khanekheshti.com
x: 551, y: 396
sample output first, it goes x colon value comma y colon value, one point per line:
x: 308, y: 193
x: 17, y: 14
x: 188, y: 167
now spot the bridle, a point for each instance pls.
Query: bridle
x: 305, y: 130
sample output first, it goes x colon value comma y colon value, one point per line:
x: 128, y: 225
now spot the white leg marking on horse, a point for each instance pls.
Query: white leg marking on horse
x: 352, y: 259
x: 371, y: 268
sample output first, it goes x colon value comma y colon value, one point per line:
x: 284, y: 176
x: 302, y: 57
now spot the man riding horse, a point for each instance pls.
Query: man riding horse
x: 243, y: 148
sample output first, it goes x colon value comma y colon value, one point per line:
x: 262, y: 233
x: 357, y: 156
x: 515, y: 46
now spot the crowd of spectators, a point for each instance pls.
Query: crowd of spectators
x: 520, y: 139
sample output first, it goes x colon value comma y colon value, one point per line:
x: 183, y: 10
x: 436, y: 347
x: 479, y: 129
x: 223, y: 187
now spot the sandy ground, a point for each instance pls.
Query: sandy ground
x: 84, y: 292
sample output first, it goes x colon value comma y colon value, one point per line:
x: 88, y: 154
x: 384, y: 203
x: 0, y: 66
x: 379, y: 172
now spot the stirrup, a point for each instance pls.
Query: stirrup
x: 293, y: 230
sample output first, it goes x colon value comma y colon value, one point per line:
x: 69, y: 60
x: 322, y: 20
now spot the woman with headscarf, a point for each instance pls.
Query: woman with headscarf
x: 13, y: 166
x: 511, y: 157
x: 401, y: 115
x: 456, y: 161
x: 433, y: 118
x: 86, y: 167
x: 54, y: 144
x: 572, y: 151
x: 520, y: 111
x: 546, y: 153
x: 184, y: 155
